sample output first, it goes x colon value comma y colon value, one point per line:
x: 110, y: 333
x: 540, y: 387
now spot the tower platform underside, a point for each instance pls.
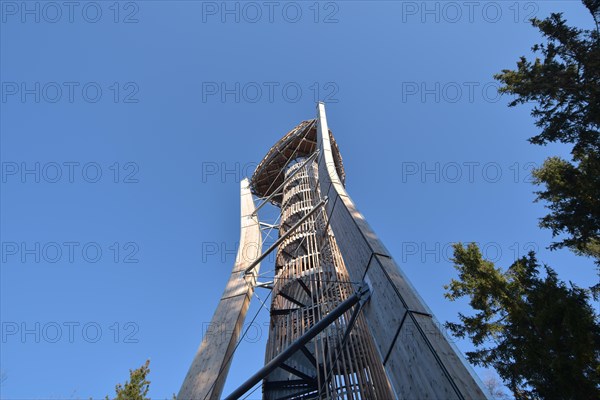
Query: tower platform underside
x: 298, y: 143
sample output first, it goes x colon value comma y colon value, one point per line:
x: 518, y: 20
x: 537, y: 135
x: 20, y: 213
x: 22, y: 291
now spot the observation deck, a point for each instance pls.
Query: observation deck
x: 298, y: 143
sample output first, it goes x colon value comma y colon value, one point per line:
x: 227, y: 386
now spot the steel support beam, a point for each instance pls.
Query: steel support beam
x: 299, y: 343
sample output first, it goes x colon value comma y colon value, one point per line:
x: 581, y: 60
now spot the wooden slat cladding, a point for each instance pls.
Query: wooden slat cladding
x: 311, y: 280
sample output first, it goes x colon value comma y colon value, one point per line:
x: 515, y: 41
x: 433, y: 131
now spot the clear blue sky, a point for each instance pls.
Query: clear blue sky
x: 142, y: 103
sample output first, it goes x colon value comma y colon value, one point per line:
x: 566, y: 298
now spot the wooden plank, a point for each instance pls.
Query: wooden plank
x: 420, y: 366
x: 206, y: 376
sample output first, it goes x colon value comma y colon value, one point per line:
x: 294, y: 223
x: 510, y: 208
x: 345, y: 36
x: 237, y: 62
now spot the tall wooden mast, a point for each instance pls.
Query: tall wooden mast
x: 206, y: 377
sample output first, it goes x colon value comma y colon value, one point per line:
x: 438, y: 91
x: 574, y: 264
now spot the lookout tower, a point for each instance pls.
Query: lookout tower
x: 345, y: 323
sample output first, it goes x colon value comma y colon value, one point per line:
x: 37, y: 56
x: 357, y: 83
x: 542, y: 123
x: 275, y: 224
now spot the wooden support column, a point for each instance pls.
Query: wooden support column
x: 206, y: 377
x: 420, y: 361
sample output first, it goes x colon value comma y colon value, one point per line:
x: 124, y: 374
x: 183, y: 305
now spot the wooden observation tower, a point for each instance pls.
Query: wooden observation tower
x: 345, y: 321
